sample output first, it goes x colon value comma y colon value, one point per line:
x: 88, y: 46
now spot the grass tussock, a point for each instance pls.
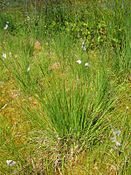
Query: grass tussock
x: 65, y: 87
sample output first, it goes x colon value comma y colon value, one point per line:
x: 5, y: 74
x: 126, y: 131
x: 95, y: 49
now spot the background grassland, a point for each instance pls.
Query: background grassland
x: 65, y: 87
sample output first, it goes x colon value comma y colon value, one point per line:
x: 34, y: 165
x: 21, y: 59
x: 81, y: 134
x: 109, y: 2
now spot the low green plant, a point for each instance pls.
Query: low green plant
x: 72, y: 95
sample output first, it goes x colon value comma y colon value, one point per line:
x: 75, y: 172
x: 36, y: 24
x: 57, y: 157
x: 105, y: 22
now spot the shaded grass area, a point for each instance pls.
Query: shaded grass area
x: 65, y: 91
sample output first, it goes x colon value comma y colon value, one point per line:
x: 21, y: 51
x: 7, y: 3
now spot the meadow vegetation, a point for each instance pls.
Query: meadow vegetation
x: 65, y: 87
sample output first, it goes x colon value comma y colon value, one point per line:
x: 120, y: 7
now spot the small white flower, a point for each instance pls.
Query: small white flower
x: 6, y: 27
x: 114, y: 140
x: 4, y: 56
x: 28, y: 69
x: 118, y: 143
x: 79, y: 61
x: 127, y: 107
x: 86, y: 64
x: 117, y: 132
x: 10, y: 162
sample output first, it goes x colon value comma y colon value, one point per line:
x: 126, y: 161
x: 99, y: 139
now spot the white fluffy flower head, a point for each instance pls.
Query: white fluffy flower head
x: 10, y: 162
x: 87, y: 65
x: 4, y: 56
x: 6, y: 27
x: 78, y: 61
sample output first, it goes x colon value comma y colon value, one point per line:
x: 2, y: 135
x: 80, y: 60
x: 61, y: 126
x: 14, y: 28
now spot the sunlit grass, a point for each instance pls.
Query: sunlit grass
x: 65, y: 99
